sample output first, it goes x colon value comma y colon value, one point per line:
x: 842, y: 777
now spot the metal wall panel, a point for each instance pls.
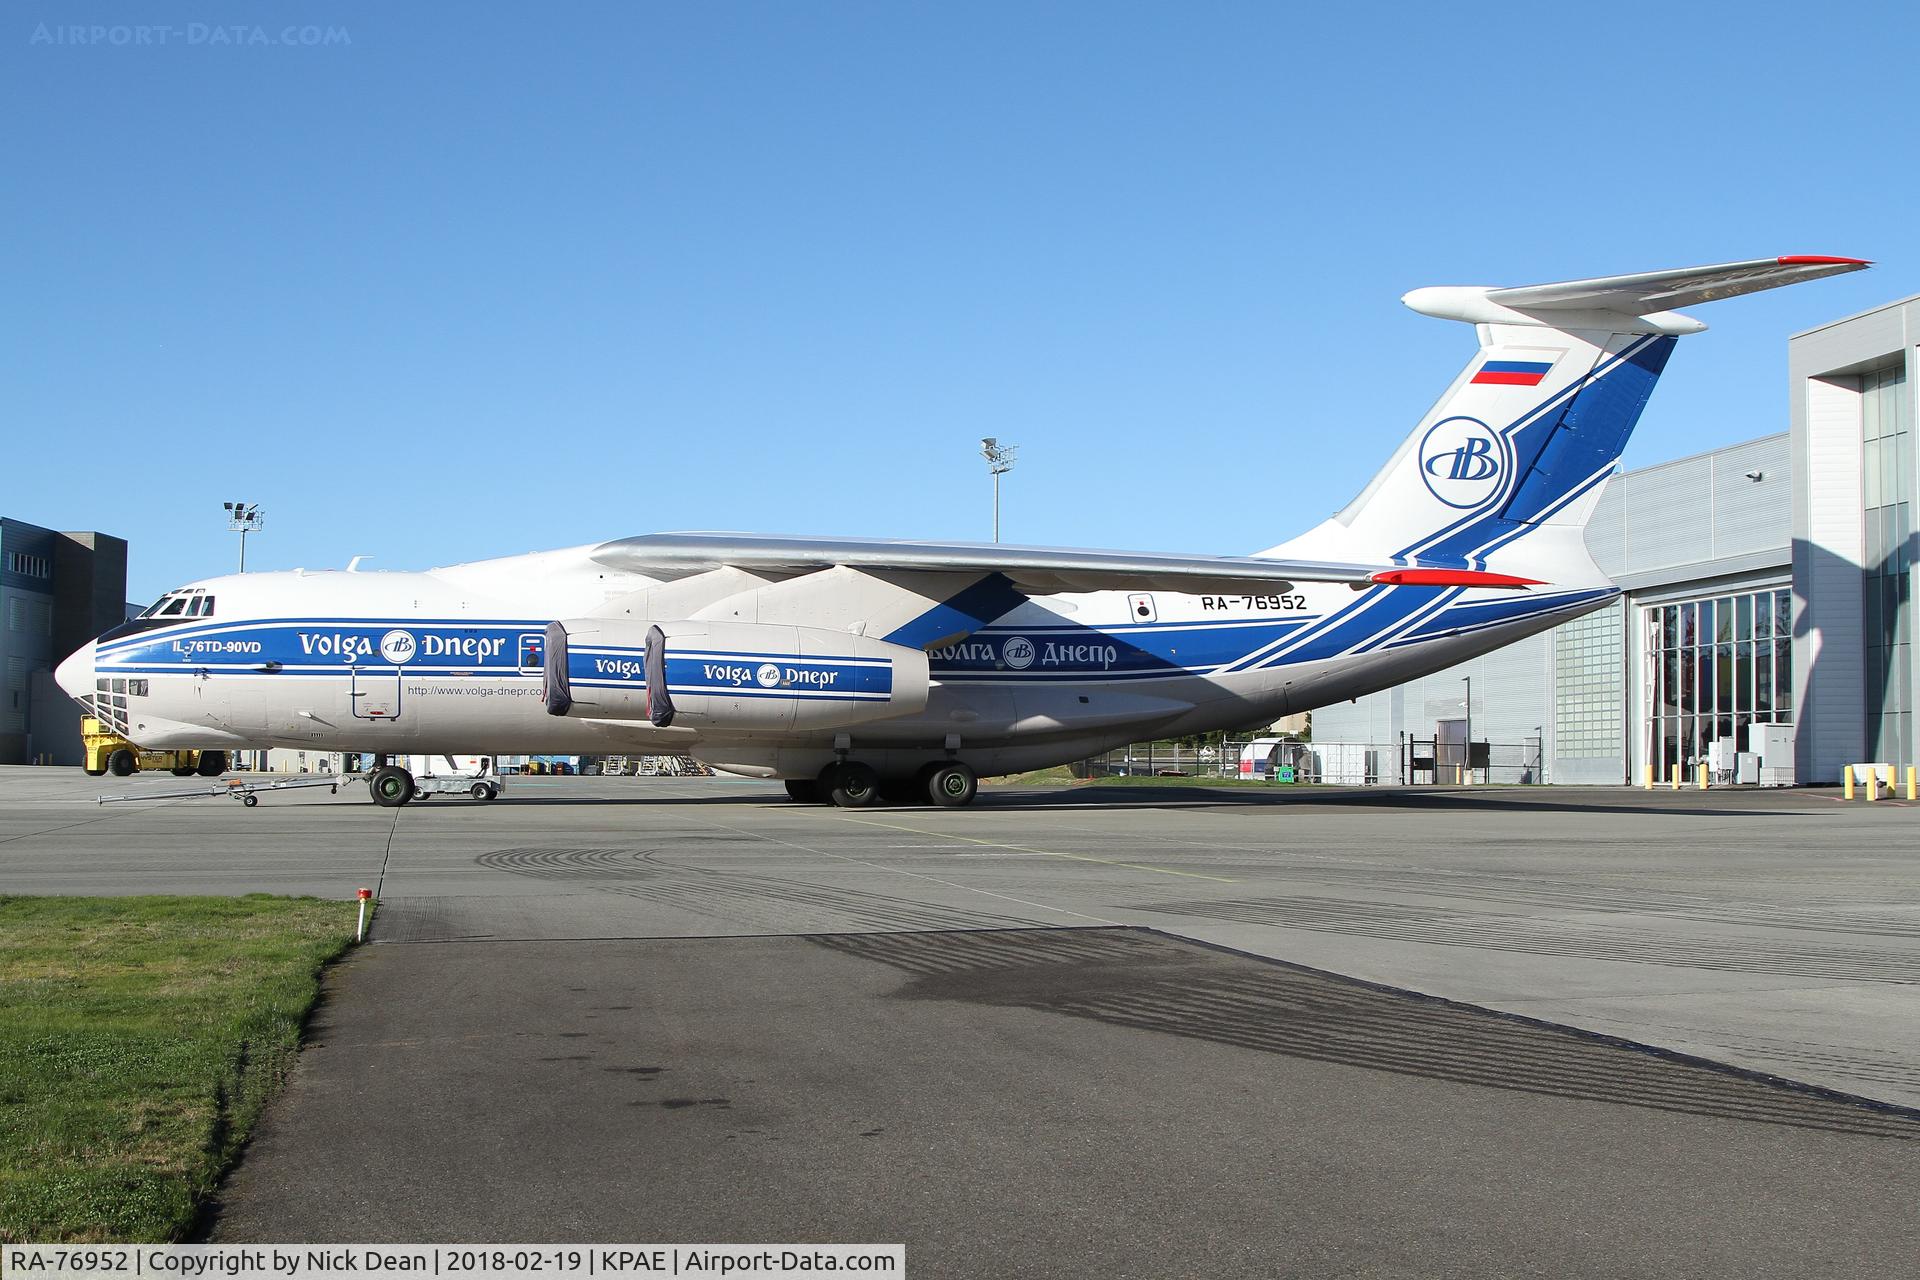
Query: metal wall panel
x: 1669, y: 517
x: 1752, y: 515
x: 1607, y: 530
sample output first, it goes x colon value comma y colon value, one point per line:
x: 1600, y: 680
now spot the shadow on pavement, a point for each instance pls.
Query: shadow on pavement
x: 1149, y: 982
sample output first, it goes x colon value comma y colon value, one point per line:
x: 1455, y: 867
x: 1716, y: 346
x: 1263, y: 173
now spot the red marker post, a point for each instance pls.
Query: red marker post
x: 365, y: 895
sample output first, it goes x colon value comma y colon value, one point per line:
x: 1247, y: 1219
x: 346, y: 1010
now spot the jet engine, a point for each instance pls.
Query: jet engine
x: 752, y: 677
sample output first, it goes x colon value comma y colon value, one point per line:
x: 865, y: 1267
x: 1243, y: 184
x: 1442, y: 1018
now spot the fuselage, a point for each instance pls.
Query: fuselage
x: 451, y: 660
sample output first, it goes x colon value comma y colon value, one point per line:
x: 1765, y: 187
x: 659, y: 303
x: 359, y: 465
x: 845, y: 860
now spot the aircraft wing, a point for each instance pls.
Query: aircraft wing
x: 1032, y: 570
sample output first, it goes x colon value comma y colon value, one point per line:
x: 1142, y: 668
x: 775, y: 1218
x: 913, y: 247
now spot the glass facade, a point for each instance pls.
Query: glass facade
x: 1588, y: 656
x: 1886, y: 461
x: 1714, y: 668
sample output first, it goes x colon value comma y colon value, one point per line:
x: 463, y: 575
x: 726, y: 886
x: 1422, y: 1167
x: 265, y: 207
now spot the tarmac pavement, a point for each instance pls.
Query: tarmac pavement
x: 1045, y: 1075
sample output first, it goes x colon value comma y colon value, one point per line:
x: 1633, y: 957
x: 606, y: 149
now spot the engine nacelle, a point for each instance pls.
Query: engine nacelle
x: 748, y: 676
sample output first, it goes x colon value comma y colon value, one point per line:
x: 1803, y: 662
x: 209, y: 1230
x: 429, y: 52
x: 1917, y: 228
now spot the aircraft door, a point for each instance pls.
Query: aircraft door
x: 1449, y: 750
x: 374, y: 692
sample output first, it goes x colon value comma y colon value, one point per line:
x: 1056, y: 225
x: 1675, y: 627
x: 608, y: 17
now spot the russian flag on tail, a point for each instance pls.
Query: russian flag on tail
x: 1513, y: 373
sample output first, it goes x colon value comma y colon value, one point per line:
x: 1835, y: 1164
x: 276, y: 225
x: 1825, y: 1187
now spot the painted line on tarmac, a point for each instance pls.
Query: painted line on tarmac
x: 1045, y: 853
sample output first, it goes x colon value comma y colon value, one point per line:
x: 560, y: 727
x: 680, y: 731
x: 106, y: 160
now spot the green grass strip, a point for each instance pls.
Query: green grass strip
x: 139, y: 1040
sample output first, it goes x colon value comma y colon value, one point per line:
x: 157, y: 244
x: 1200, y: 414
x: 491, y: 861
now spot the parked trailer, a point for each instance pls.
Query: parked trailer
x: 465, y: 776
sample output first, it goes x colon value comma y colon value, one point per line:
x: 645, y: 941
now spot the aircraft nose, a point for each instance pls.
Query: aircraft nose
x: 75, y: 675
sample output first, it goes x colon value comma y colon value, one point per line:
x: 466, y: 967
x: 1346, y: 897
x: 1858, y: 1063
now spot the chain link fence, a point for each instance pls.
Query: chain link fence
x: 1412, y: 762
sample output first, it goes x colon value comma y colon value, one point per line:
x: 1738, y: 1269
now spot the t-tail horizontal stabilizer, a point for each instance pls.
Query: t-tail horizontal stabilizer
x: 1503, y: 472
x: 1640, y: 303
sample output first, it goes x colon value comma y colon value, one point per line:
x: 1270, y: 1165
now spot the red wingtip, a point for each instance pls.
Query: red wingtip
x: 1818, y: 260
x: 1450, y: 578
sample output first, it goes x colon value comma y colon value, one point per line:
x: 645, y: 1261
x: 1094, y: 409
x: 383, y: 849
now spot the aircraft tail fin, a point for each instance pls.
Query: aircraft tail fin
x: 1503, y: 472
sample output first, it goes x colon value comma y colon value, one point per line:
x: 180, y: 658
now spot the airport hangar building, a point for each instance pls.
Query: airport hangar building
x: 57, y: 591
x: 1769, y: 583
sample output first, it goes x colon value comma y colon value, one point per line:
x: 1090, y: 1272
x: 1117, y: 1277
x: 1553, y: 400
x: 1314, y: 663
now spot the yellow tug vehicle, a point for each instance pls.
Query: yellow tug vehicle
x: 108, y: 752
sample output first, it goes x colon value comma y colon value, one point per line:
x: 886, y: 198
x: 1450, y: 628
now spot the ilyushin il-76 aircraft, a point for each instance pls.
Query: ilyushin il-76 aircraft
x: 860, y: 670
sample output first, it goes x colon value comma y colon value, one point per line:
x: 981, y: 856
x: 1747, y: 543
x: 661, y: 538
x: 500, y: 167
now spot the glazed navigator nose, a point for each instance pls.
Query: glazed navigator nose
x: 75, y: 675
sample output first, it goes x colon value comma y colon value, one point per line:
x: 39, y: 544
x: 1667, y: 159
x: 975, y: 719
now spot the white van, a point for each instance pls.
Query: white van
x: 1259, y: 758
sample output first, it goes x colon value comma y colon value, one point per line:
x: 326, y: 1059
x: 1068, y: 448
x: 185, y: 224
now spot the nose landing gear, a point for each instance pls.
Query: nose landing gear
x: 391, y: 786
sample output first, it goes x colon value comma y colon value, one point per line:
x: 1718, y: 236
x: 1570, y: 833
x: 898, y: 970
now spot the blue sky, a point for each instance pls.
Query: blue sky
x: 481, y: 280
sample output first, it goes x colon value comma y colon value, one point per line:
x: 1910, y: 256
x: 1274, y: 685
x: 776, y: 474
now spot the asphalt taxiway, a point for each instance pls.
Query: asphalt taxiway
x: 1082, y: 1029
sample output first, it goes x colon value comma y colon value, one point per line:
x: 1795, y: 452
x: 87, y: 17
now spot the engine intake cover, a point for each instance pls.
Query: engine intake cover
x: 752, y: 677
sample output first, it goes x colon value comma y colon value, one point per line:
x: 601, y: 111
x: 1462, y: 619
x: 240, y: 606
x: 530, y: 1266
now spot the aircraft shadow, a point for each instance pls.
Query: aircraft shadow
x: 1395, y: 799
x: 1147, y: 981
x: 1383, y: 798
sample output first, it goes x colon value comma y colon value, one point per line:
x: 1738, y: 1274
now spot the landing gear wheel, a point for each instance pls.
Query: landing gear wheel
x: 122, y: 764
x: 952, y: 784
x: 212, y: 764
x: 803, y: 790
x: 481, y: 791
x: 851, y: 785
x: 391, y: 785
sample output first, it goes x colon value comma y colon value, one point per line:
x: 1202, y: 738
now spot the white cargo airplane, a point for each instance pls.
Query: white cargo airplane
x: 859, y: 669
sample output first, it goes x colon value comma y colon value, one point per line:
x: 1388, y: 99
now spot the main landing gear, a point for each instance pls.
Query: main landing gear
x: 853, y: 785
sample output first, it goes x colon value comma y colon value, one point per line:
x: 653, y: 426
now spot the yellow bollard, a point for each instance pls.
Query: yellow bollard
x: 1646, y: 777
x: 1846, y: 783
x: 1673, y: 780
x: 1913, y: 783
x: 1703, y: 777
x: 1873, y: 783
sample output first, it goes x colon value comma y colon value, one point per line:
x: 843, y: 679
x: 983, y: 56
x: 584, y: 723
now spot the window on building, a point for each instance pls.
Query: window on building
x: 29, y: 566
x: 1713, y: 669
x: 1886, y: 479
x: 1588, y: 654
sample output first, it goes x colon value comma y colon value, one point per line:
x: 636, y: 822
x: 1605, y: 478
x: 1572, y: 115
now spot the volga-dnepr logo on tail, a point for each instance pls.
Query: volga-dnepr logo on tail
x: 1463, y: 461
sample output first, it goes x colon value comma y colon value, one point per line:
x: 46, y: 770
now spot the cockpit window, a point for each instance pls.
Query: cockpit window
x: 180, y: 604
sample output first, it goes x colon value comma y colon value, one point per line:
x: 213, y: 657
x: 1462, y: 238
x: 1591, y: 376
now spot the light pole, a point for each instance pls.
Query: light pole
x: 1469, y: 680
x: 244, y: 518
x: 999, y: 461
